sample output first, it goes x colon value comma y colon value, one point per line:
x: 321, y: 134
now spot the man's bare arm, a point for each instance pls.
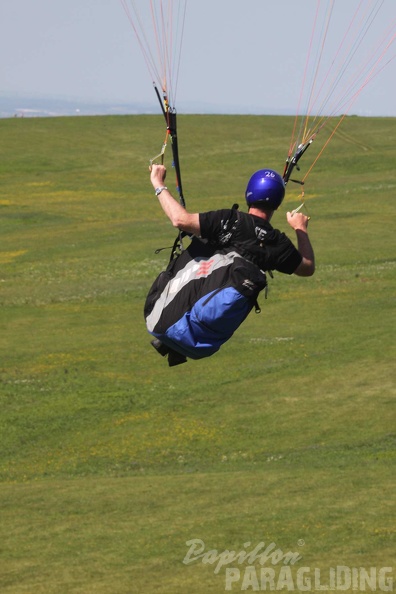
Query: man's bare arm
x: 299, y: 222
x: 176, y: 213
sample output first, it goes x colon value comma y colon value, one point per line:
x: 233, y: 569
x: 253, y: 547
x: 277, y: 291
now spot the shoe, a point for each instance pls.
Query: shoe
x: 160, y: 347
x: 175, y: 358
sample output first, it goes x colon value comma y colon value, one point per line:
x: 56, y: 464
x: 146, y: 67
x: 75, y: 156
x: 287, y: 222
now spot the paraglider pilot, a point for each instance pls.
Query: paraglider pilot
x: 198, y: 302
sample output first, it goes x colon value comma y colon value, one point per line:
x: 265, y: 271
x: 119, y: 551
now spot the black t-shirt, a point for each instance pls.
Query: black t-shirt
x: 252, y: 237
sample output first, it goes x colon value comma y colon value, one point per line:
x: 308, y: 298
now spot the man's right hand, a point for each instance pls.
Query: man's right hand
x: 157, y: 175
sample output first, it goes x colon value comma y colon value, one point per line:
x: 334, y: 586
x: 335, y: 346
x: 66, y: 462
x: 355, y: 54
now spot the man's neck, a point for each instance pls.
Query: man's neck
x: 262, y: 214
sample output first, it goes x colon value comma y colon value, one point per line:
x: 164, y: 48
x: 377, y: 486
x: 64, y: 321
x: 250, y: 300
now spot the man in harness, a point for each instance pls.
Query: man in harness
x: 205, y: 293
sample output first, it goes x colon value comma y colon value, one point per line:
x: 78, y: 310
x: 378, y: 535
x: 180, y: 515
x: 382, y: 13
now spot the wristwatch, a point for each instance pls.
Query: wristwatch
x: 159, y: 190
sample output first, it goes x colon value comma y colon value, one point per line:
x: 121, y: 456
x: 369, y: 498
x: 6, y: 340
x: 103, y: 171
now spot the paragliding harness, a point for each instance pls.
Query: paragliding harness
x: 203, y: 296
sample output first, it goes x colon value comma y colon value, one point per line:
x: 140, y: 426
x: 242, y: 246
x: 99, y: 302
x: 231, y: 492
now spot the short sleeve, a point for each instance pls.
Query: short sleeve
x: 288, y: 257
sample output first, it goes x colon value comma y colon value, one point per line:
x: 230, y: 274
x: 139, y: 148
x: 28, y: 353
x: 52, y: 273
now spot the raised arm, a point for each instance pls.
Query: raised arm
x: 299, y: 222
x: 176, y: 213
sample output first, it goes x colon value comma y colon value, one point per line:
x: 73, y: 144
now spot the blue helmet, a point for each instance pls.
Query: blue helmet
x: 265, y: 189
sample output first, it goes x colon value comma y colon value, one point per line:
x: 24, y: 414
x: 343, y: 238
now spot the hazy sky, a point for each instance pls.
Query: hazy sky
x: 249, y: 55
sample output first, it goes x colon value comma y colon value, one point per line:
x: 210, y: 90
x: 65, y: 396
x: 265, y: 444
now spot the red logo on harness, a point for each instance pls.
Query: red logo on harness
x: 205, y: 267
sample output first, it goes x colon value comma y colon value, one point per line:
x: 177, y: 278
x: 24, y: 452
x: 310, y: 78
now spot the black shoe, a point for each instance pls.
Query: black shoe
x: 160, y: 347
x: 175, y: 358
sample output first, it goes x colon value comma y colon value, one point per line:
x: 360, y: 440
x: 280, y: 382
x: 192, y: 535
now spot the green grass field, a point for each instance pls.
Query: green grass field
x: 111, y: 461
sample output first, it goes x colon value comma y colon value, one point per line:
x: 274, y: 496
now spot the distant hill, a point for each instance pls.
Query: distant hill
x: 25, y: 106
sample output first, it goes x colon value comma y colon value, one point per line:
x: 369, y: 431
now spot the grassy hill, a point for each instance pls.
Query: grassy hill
x: 109, y: 460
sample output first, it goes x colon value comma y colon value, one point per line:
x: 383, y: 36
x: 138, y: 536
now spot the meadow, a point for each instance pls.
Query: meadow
x: 110, y: 461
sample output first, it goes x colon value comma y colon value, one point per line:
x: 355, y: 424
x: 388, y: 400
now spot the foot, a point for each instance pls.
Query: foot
x: 160, y: 347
